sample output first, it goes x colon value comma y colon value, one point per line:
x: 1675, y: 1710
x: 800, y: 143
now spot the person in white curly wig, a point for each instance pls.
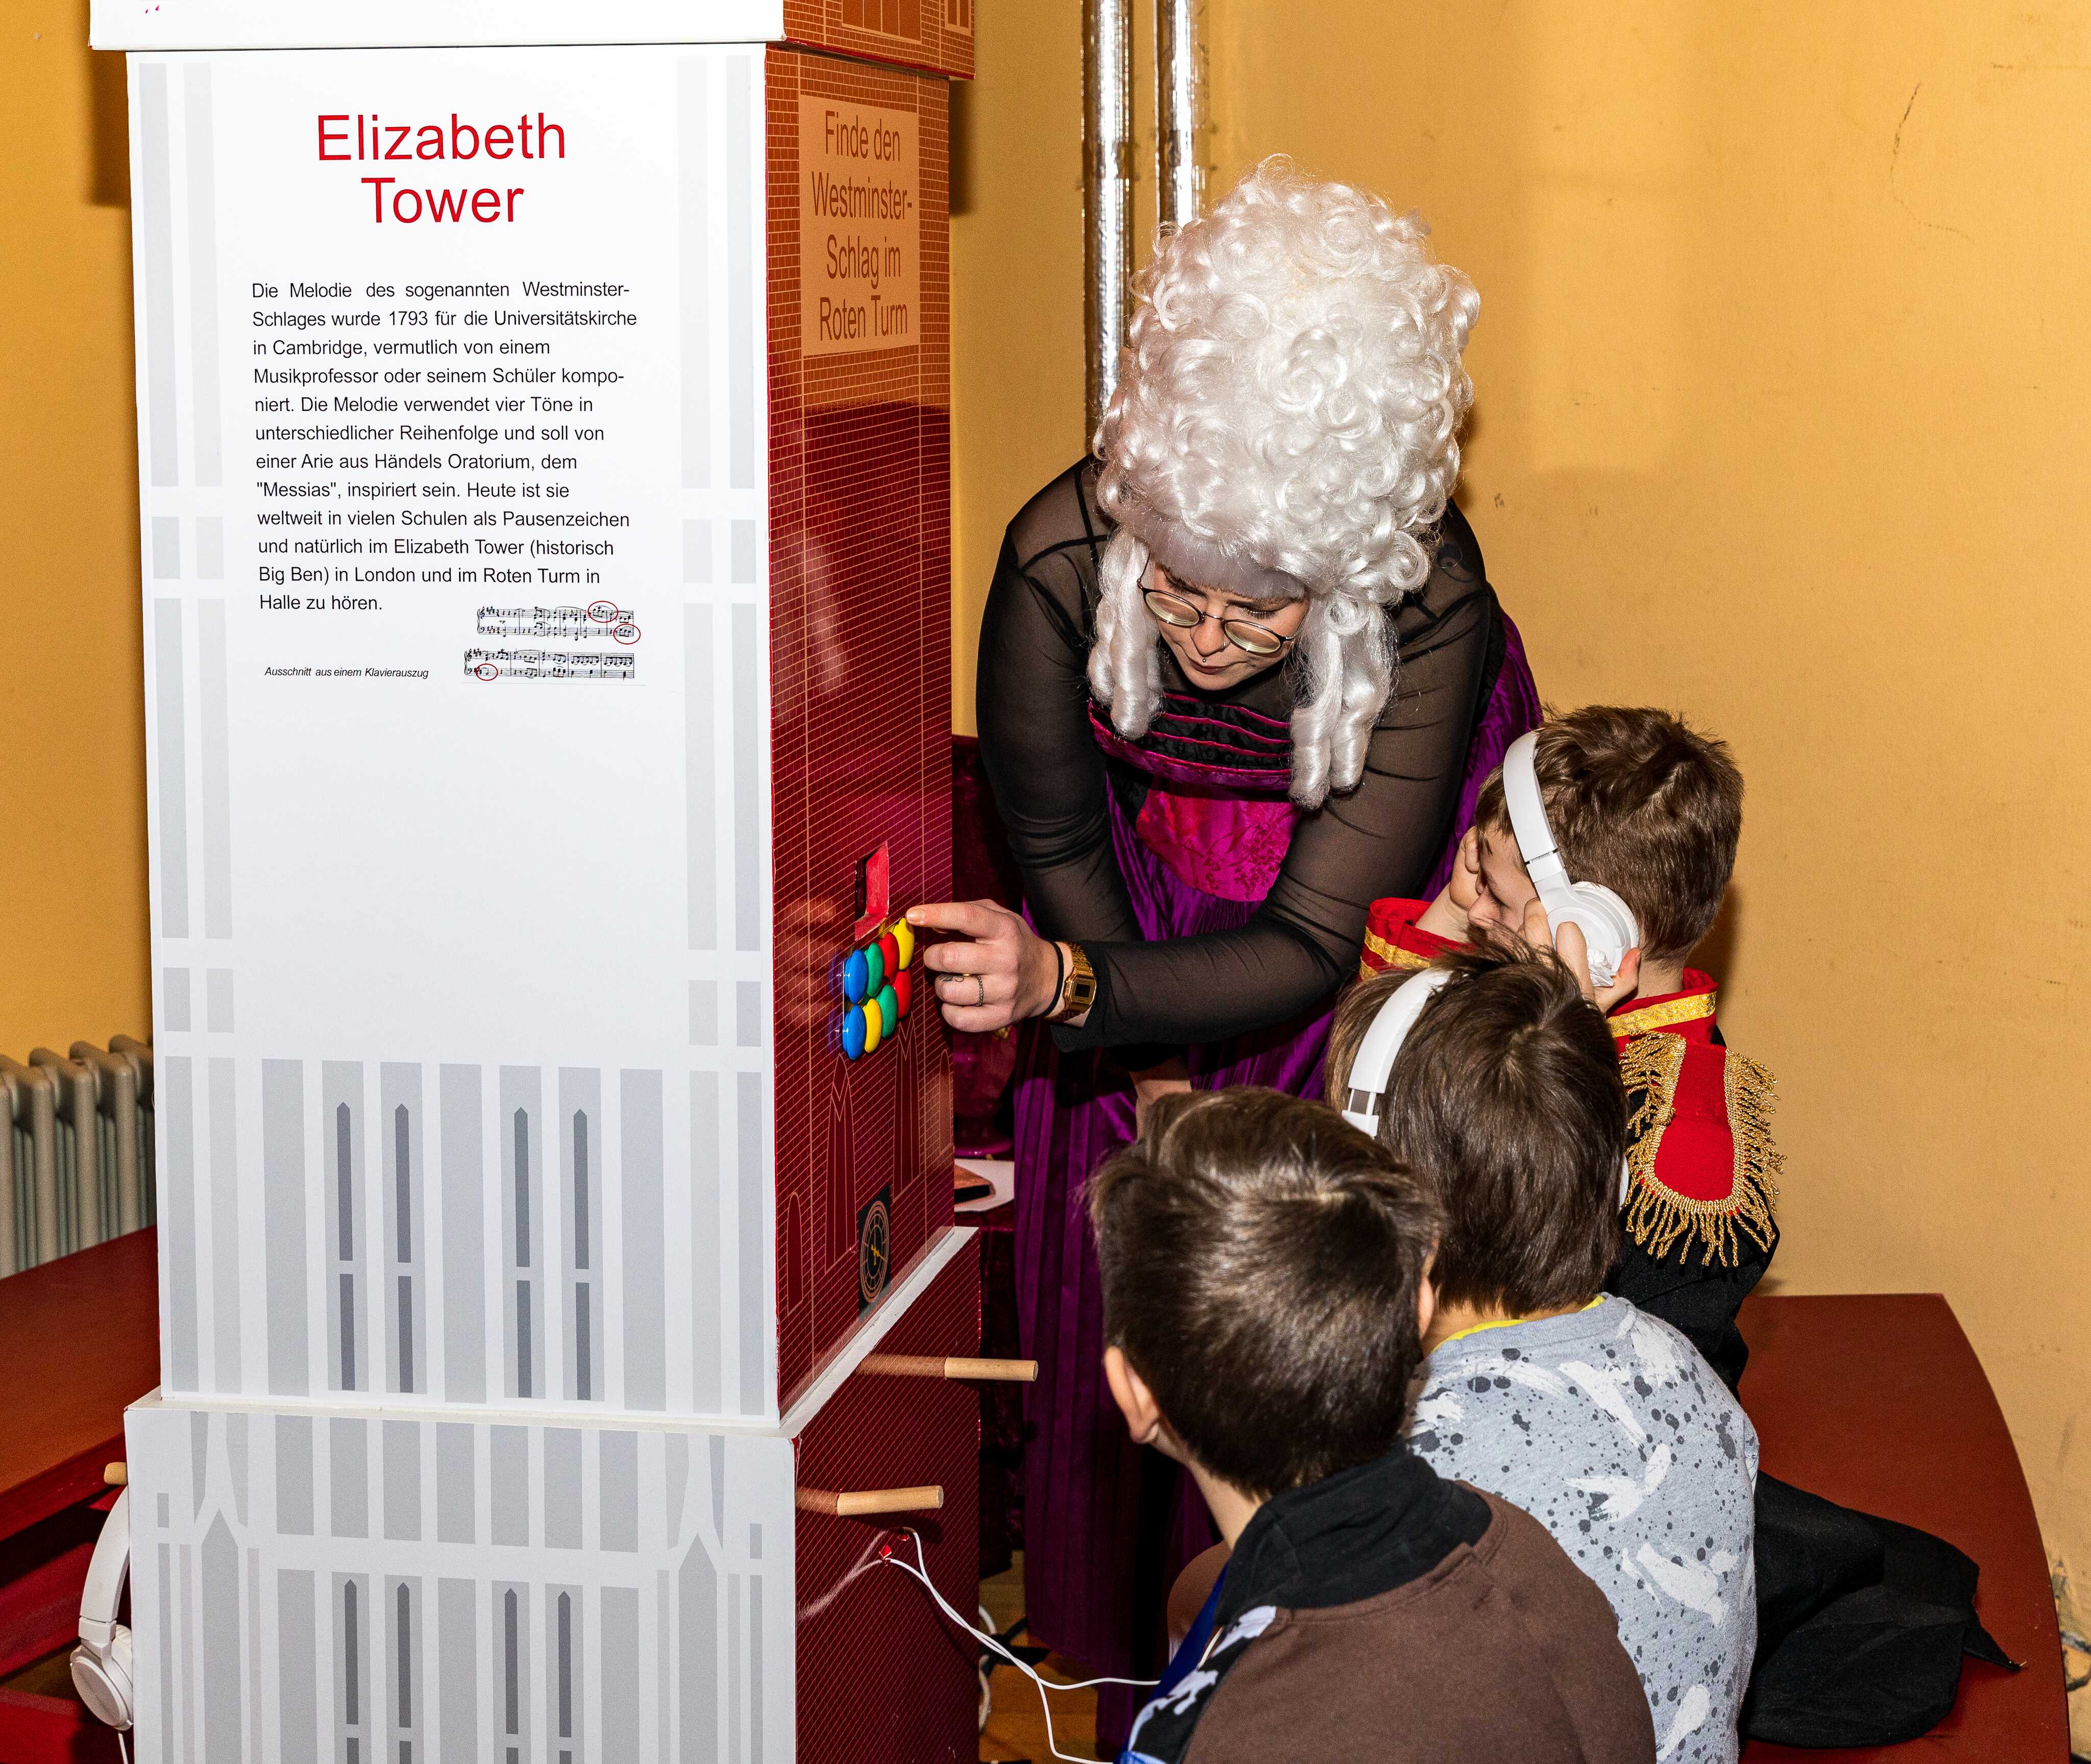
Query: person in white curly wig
x: 1285, y: 428
x: 1241, y: 673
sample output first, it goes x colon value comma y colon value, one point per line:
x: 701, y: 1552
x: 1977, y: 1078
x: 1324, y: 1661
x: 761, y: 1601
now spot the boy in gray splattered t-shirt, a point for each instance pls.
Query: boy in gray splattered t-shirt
x: 1600, y: 1421
x: 1606, y: 1427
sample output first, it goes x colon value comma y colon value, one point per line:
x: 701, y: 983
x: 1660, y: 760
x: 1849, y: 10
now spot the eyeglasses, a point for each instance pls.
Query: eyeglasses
x: 1245, y: 635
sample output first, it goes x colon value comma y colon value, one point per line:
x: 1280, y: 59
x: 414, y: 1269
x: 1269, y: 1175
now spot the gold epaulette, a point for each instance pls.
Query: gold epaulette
x: 1656, y: 1216
x: 1691, y: 1008
x: 1392, y: 954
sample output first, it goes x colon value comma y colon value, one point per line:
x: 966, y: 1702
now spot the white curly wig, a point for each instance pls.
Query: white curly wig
x: 1286, y: 423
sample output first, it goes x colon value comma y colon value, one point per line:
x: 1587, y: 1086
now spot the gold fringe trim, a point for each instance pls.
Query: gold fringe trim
x: 1656, y: 1216
x: 1391, y: 954
x: 1688, y: 1009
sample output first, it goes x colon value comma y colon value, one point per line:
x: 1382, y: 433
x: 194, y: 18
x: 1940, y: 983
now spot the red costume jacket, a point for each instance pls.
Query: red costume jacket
x: 1393, y: 939
x: 1700, y: 1215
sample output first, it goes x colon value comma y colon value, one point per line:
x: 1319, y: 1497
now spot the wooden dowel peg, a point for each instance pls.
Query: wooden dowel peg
x: 854, y: 1502
x: 116, y: 1475
x: 942, y: 1366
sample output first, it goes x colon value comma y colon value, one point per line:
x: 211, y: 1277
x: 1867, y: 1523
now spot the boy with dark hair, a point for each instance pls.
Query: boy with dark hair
x: 1641, y: 803
x: 1598, y: 1420
x: 1265, y: 1293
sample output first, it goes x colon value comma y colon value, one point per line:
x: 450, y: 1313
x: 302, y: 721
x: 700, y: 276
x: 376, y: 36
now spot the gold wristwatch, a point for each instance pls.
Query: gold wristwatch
x: 1078, y: 987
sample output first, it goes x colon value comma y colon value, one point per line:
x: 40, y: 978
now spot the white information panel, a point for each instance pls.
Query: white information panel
x: 449, y: 429
x: 451, y: 417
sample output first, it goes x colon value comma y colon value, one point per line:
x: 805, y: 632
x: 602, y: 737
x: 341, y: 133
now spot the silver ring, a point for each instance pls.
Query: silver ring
x: 979, y: 986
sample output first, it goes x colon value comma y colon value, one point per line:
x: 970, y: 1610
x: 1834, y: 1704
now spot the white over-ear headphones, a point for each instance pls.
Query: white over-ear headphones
x: 1374, y: 1066
x: 1371, y: 1069
x: 1607, y: 923
x: 101, y: 1662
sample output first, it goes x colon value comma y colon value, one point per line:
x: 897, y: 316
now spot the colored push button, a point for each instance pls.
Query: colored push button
x: 878, y: 988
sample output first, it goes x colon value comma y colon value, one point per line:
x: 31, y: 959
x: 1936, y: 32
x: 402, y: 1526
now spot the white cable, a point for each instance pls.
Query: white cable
x: 919, y: 1569
x: 986, y: 1695
x: 863, y: 1564
x: 122, y: 1750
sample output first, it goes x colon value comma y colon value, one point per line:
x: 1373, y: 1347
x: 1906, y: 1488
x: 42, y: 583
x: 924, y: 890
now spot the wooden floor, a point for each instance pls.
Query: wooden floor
x: 1016, y: 1727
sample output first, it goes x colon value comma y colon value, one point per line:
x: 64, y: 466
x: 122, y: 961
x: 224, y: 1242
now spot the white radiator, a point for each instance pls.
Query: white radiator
x: 76, y: 1155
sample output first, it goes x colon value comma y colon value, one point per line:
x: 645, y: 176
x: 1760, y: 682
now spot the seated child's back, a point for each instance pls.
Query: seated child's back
x: 1265, y: 1293
x: 1608, y: 1428
x: 1601, y: 1422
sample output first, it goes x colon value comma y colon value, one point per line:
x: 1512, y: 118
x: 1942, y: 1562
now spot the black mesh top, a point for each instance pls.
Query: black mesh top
x: 1053, y: 782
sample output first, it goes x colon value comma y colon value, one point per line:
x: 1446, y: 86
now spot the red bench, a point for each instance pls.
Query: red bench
x: 79, y: 1341
x: 1878, y: 1401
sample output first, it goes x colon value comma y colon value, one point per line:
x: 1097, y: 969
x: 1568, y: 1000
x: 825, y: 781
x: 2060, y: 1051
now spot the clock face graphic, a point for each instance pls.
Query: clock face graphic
x: 874, y: 1248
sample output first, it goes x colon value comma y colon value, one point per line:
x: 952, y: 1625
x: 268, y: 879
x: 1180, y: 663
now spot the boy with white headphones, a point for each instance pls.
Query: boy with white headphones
x: 1492, y: 1074
x: 1625, y: 823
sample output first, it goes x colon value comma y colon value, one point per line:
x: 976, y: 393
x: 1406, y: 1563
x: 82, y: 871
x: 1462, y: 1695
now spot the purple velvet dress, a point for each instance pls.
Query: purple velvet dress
x: 1221, y: 921
x: 1199, y: 857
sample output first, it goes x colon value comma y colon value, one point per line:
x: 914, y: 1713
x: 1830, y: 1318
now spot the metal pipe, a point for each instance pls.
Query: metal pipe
x: 10, y: 1206
x: 1180, y: 110
x: 118, y: 1098
x: 35, y: 1107
x: 140, y: 1055
x: 1107, y: 171
x: 79, y: 1107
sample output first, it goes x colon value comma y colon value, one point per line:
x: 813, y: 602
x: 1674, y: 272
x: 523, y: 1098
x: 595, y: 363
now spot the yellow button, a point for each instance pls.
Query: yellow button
x: 904, y: 936
x: 874, y: 1026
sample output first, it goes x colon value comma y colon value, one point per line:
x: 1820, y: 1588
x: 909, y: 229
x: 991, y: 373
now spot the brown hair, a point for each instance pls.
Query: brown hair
x: 1642, y: 804
x: 1506, y: 1095
x: 1261, y: 1261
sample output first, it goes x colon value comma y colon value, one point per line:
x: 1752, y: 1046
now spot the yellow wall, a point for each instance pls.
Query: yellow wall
x: 1016, y: 291
x: 72, y: 766
x: 1781, y: 373
x: 1782, y: 379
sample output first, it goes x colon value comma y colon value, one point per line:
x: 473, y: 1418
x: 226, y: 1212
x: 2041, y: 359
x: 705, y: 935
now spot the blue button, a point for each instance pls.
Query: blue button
x: 856, y: 978
x: 852, y: 1033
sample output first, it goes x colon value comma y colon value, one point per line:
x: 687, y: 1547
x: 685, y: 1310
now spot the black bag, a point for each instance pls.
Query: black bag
x: 1861, y: 1624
